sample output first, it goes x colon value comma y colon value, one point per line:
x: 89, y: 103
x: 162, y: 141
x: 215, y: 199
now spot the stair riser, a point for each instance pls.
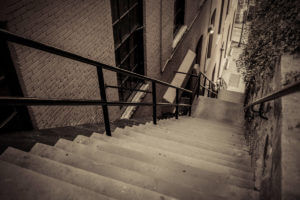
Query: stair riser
x: 21, y: 184
x: 161, y: 158
x: 183, y: 150
x: 127, y: 176
x: 81, y: 178
x: 193, y: 141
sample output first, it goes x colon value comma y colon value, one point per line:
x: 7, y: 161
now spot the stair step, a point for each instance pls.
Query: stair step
x: 205, y: 184
x: 205, y: 127
x: 160, y: 158
x: 185, y: 150
x: 124, y: 175
x: 202, y: 134
x: 18, y: 183
x: 195, y: 121
x: 186, y: 160
x: 218, y: 110
x: 97, y: 183
x: 186, y: 139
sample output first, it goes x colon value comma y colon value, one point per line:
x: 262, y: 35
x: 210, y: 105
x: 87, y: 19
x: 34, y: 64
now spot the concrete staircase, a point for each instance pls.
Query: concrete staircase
x: 188, y: 158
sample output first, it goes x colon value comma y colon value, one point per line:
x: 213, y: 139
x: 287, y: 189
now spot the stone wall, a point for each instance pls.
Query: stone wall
x: 275, y: 142
x: 81, y: 27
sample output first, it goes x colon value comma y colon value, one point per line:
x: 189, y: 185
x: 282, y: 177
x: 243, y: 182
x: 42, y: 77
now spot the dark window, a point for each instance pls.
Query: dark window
x: 127, y: 20
x: 211, y: 36
x: 232, y: 26
x: 221, y: 17
x: 199, y: 50
x: 179, y: 7
x: 227, y: 41
x: 228, y: 7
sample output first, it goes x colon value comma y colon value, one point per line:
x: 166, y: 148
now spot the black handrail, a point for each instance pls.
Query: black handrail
x: 124, y: 88
x: 277, y: 94
x: 272, y: 96
x: 29, y: 101
x: 198, y: 83
x: 100, y: 66
x: 50, y: 49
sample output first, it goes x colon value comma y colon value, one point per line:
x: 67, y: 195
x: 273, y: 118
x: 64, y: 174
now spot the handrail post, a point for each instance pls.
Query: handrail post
x: 177, y: 102
x: 198, y: 86
x: 204, y: 86
x: 191, y: 102
x: 103, y: 98
x: 208, y: 92
x: 154, y: 101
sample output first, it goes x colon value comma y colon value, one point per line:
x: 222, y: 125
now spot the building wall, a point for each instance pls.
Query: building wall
x: 83, y: 27
x: 161, y: 59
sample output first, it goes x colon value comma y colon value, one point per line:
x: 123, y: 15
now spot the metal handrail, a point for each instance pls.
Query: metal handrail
x: 29, y: 101
x: 277, y: 94
x: 100, y: 66
x: 50, y: 49
x: 199, y: 83
x: 124, y: 88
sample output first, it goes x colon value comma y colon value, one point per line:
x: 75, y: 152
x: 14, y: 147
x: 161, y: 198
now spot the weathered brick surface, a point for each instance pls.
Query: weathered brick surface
x: 83, y: 27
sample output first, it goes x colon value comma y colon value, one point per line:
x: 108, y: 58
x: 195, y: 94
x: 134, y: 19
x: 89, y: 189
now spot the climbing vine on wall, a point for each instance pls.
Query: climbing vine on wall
x: 274, y: 30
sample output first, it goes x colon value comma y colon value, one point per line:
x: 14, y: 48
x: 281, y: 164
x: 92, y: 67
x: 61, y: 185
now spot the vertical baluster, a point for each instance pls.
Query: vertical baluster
x: 177, y: 102
x: 154, y: 101
x: 208, y: 92
x: 103, y: 98
x: 191, y: 102
x: 204, y: 86
x: 199, y: 82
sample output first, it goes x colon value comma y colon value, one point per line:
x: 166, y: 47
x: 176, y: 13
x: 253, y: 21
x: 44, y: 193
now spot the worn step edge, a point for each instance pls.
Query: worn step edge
x: 22, y: 184
x: 192, y: 141
x: 238, y: 144
x: 208, y: 122
x: 124, y: 175
x: 205, y: 130
x: 193, y: 152
x: 202, y: 164
x: 224, y: 190
x: 127, y: 163
x: 150, y: 155
x: 79, y: 177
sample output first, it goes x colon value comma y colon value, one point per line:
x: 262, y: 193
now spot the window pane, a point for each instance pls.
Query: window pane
x: 114, y: 10
x: 123, y: 51
x: 123, y: 6
x: 132, y: 2
x: 124, y: 23
x: 117, y: 37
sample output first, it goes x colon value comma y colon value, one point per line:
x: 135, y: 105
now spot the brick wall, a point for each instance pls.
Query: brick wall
x: 83, y: 27
x: 173, y: 57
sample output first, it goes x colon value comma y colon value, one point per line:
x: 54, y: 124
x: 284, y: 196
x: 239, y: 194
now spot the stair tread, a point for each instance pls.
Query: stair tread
x: 232, y: 142
x: 97, y: 183
x: 223, y: 111
x: 209, y: 166
x: 20, y: 183
x: 161, y: 158
x: 186, y: 150
x: 206, y: 126
x: 187, y: 139
x: 155, y: 184
x: 204, y: 183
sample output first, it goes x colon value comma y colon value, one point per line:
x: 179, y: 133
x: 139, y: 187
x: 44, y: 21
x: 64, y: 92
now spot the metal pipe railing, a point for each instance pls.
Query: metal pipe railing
x: 50, y: 49
x: 249, y: 109
x: 277, y: 94
x: 17, y: 101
